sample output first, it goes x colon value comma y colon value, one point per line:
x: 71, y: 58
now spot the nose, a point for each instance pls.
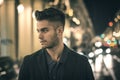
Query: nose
x: 40, y: 35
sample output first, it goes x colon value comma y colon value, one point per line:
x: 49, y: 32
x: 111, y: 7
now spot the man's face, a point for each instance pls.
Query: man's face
x: 47, y: 34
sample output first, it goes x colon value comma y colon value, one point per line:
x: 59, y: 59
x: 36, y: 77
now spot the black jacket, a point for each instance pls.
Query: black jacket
x: 76, y: 67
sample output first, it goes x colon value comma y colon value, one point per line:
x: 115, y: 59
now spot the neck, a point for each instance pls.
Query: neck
x: 56, y: 52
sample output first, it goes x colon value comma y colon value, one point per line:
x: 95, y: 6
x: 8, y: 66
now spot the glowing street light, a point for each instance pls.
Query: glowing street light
x: 20, y: 8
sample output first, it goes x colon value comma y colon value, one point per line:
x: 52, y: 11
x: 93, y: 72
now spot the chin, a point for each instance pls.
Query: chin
x: 47, y: 46
x: 43, y: 46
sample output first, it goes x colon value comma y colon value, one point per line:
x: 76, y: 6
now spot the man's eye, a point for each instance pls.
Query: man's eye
x: 45, y: 30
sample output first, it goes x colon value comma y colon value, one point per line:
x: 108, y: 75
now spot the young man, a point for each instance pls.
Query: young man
x: 55, y: 61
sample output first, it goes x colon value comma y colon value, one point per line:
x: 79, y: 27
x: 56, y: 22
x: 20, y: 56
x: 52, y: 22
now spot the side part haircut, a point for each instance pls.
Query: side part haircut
x: 51, y: 14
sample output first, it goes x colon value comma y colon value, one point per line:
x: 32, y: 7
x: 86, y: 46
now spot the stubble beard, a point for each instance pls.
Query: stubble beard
x: 53, y: 43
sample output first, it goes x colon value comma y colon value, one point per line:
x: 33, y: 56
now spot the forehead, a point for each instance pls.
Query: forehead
x: 44, y: 23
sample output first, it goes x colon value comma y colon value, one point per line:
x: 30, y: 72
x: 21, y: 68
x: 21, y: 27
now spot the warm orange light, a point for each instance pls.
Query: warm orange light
x: 110, y: 23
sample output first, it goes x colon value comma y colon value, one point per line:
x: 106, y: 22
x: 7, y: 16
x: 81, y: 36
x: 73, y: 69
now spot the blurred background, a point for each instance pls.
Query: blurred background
x: 92, y: 28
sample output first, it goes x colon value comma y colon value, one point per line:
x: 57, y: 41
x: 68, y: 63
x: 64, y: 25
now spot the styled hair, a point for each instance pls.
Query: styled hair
x: 51, y: 14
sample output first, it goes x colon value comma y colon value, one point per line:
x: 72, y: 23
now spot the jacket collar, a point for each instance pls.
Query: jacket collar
x: 43, y: 64
x: 42, y: 61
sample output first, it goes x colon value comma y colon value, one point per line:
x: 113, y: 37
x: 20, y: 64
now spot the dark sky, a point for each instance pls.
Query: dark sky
x: 101, y: 12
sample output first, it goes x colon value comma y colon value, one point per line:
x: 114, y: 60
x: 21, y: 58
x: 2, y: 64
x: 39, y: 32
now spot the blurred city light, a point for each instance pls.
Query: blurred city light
x: 76, y: 20
x: 1, y: 2
x: 20, y: 8
x: 91, y: 54
x: 33, y: 14
x: 102, y: 35
x: 116, y: 34
x: 107, y: 58
x: 98, y: 44
x: 110, y: 23
x: 98, y: 51
x: 118, y: 16
x: 108, y: 50
x: 98, y: 63
x: 70, y: 12
x: 116, y: 20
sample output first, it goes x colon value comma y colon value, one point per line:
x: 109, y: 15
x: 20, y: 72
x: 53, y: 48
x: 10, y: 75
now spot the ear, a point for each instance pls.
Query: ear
x: 60, y: 30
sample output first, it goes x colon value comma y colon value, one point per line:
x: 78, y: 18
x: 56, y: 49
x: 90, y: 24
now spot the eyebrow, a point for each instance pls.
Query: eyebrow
x: 42, y: 29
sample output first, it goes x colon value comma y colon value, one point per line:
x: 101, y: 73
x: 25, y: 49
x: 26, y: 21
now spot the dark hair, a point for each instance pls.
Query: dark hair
x: 51, y: 14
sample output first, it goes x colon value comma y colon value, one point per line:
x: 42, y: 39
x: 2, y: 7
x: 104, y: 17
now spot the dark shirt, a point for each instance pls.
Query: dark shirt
x: 56, y: 68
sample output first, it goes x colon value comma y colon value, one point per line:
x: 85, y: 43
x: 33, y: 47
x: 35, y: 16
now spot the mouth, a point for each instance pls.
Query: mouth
x: 42, y: 42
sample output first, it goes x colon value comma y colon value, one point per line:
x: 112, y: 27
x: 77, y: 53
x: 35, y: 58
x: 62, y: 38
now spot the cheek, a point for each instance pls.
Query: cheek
x: 49, y: 36
x: 52, y: 37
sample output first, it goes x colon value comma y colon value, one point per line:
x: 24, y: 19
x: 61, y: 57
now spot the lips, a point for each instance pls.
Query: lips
x: 42, y: 42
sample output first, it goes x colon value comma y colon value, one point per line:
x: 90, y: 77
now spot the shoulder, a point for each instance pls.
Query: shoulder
x: 34, y: 55
x: 74, y: 54
x: 77, y: 55
x: 77, y: 59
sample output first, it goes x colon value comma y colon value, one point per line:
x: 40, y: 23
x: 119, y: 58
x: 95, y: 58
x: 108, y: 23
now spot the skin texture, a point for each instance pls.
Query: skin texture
x: 50, y: 37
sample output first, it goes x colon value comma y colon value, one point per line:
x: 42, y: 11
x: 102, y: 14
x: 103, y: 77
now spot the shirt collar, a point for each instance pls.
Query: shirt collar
x: 63, y: 55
